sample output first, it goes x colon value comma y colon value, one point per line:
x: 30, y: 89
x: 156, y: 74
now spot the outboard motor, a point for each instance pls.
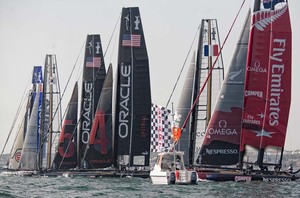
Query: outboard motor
x: 172, y: 178
x: 194, y: 177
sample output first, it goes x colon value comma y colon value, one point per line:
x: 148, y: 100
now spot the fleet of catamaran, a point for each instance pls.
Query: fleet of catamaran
x: 225, y: 128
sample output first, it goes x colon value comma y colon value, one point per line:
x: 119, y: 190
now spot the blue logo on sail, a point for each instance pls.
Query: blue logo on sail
x: 37, y: 76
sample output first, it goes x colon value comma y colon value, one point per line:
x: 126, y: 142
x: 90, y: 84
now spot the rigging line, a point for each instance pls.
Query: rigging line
x: 211, y: 69
x: 112, y: 35
x: 59, y: 91
x: 182, y: 68
x: 16, y: 117
x: 114, y: 47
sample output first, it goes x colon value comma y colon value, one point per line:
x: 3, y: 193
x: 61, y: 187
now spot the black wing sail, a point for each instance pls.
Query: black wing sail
x: 66, y: 156
x: 133, y: 94
x: 92, y: 82
x: 100, y: 152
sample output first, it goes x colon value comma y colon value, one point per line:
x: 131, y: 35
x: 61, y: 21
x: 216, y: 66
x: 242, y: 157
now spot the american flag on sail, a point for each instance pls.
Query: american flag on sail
x: 93, y: 62
x: 161, y: 130
x: 133, y: 40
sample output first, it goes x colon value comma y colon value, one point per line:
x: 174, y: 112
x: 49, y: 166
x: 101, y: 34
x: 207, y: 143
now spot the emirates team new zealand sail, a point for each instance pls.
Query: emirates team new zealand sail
x: 250, y: 118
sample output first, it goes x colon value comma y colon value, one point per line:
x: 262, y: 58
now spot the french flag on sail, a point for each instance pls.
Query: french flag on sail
x: 211, y: 50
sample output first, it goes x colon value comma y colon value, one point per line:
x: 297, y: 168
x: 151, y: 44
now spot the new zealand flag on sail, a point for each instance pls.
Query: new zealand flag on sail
x: 271, y: 3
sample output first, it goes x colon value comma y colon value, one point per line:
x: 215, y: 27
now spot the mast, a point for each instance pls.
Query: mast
x: 207, y: 50
x: 50, y: 113
x: 209, y: 82
x: 222, y: 137
x: 50, y: 130
x: 196, y: 87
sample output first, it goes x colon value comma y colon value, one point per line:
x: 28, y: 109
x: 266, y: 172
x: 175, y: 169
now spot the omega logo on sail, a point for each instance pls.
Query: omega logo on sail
x: 222, y: 130
x: 124, y: 101
x: 87, y: 112
x: 276, y: 87
x: 257, y: 68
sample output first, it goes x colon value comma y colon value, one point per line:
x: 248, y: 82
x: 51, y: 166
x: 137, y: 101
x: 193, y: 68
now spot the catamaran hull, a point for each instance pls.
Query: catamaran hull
x: 76, y: 173
x: 239, y: 177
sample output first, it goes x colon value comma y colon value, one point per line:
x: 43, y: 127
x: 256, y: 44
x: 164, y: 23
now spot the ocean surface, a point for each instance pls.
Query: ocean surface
x: 16, y: 186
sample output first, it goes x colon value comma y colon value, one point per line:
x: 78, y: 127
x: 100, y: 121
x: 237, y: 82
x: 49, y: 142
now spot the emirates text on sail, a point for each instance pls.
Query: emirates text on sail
x: 276, y: 87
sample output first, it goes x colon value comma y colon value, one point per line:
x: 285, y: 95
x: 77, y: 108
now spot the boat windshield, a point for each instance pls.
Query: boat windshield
x: 171, y: 162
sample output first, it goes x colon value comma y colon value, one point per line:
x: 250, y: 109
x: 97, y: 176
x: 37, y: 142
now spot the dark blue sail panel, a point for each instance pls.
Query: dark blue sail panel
x: 92, y: 82
x: 37, y: 76
x: 133, y: 99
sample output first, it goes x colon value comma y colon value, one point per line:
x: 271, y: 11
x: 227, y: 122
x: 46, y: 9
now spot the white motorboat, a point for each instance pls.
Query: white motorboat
x: 169, y: 169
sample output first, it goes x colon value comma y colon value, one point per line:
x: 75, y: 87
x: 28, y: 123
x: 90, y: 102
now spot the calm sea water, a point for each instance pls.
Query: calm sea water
x: 15, y: 186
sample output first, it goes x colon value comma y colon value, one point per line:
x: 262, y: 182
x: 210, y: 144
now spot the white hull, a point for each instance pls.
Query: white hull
x: 166, y: 172
x: 18, y: 173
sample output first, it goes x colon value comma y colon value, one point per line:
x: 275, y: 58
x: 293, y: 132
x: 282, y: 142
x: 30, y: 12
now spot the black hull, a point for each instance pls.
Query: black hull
x: 77, y: 173
x: 97, y: 174
x: 237, y: 176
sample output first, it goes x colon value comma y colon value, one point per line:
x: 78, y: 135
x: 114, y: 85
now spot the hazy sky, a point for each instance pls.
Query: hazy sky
x: 30, y: 29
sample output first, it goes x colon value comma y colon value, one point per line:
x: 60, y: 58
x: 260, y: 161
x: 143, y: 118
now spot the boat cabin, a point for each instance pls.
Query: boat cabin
x: 170, y: 160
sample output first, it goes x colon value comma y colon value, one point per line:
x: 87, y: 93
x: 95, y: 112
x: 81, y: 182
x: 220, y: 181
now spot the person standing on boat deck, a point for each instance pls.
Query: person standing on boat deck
x: 290, y: 169
x: 177, y: 164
